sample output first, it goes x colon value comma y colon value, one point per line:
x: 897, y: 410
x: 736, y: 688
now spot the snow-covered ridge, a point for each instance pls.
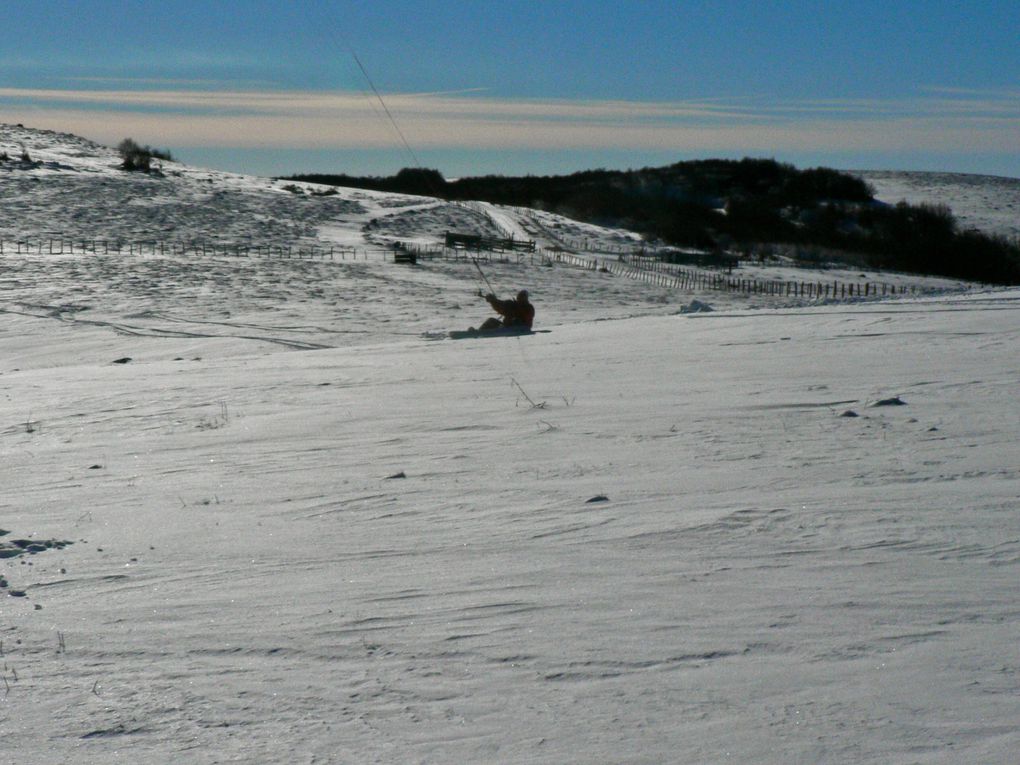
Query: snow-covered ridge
x: 984, y: 202
x: 988, y: 203
x: 74, y: 188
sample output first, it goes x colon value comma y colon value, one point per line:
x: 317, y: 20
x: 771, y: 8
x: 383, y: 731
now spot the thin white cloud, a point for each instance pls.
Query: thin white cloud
x: 995, y: 93
x: 178, y: 116
x: 167, y: 82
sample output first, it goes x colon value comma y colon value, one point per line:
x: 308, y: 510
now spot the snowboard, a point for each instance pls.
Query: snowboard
x: 464, y: 334
x: 499, y: 332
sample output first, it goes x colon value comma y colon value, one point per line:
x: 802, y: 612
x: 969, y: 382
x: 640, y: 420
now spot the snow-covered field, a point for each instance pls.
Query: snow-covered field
x: 289, y: 527
x: 985, y: 202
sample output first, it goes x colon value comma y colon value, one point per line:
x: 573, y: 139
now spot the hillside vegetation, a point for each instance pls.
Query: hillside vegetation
x: 740, y: 205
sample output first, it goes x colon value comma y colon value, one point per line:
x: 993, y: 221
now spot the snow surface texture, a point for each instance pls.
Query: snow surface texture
x: 985, y: 202
x: 384, y: 550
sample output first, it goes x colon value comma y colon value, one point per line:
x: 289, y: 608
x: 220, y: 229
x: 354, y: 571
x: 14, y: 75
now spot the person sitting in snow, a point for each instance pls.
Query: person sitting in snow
x: 517, y: 312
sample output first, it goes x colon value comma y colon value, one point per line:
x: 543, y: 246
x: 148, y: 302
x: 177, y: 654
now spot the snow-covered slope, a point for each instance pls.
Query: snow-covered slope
x: 984, y: 202
x: 254, y: 514
x: 73, y: 188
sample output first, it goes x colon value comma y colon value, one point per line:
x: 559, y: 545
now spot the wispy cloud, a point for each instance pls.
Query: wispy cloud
x: 996, y: 93
x: 165, y: 82
x: 937, y: 120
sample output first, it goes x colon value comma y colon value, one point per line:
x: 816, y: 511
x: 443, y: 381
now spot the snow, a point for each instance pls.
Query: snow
x: 303, y: 532
x: 984, y: 202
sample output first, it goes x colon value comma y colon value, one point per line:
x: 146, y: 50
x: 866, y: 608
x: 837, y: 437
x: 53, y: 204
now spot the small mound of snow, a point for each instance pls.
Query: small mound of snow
x: 894, y: 401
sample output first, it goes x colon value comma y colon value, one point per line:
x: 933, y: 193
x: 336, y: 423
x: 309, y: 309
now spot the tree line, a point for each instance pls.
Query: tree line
x: 720, y: 204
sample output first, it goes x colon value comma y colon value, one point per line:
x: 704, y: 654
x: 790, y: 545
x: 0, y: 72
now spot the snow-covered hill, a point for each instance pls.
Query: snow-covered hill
x: 251, y: 512
x: 73, y: 188
x: 984, y: 202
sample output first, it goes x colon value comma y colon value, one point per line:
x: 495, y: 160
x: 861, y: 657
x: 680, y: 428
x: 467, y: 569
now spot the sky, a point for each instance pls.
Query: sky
x: 515, y: 87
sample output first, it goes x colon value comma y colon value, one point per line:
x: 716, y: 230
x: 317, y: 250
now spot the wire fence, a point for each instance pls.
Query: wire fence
x: 396, y: 252
x: 646, y: 269
x: 685, y: 278
x: 169, y: 248
x: 676, y: 277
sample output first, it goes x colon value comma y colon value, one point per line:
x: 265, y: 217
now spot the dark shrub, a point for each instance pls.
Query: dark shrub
x: 139, y: 158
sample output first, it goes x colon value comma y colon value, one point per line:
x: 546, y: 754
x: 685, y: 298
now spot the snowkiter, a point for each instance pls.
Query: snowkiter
x: 517, y: 312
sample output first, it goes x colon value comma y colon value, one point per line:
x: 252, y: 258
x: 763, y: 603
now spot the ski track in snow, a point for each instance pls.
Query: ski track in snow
x: 382, y: 549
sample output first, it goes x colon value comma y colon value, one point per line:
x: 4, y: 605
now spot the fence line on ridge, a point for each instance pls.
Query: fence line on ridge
x: 645, y: 269
x: 675, y: 277
x: 158, y: 247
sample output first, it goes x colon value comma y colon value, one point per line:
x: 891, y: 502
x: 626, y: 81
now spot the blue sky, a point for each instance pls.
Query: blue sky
x: 524, y: 87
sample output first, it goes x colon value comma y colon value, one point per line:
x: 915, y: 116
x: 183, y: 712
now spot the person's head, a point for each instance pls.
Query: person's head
x: 522, y: 296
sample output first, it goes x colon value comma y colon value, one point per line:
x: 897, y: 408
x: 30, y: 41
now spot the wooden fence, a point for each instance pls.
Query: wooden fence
x: 668, y: 275
x: 478, y: 242
x: 644, y: 269
x: 156, y: 248
x: 201, y: 249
